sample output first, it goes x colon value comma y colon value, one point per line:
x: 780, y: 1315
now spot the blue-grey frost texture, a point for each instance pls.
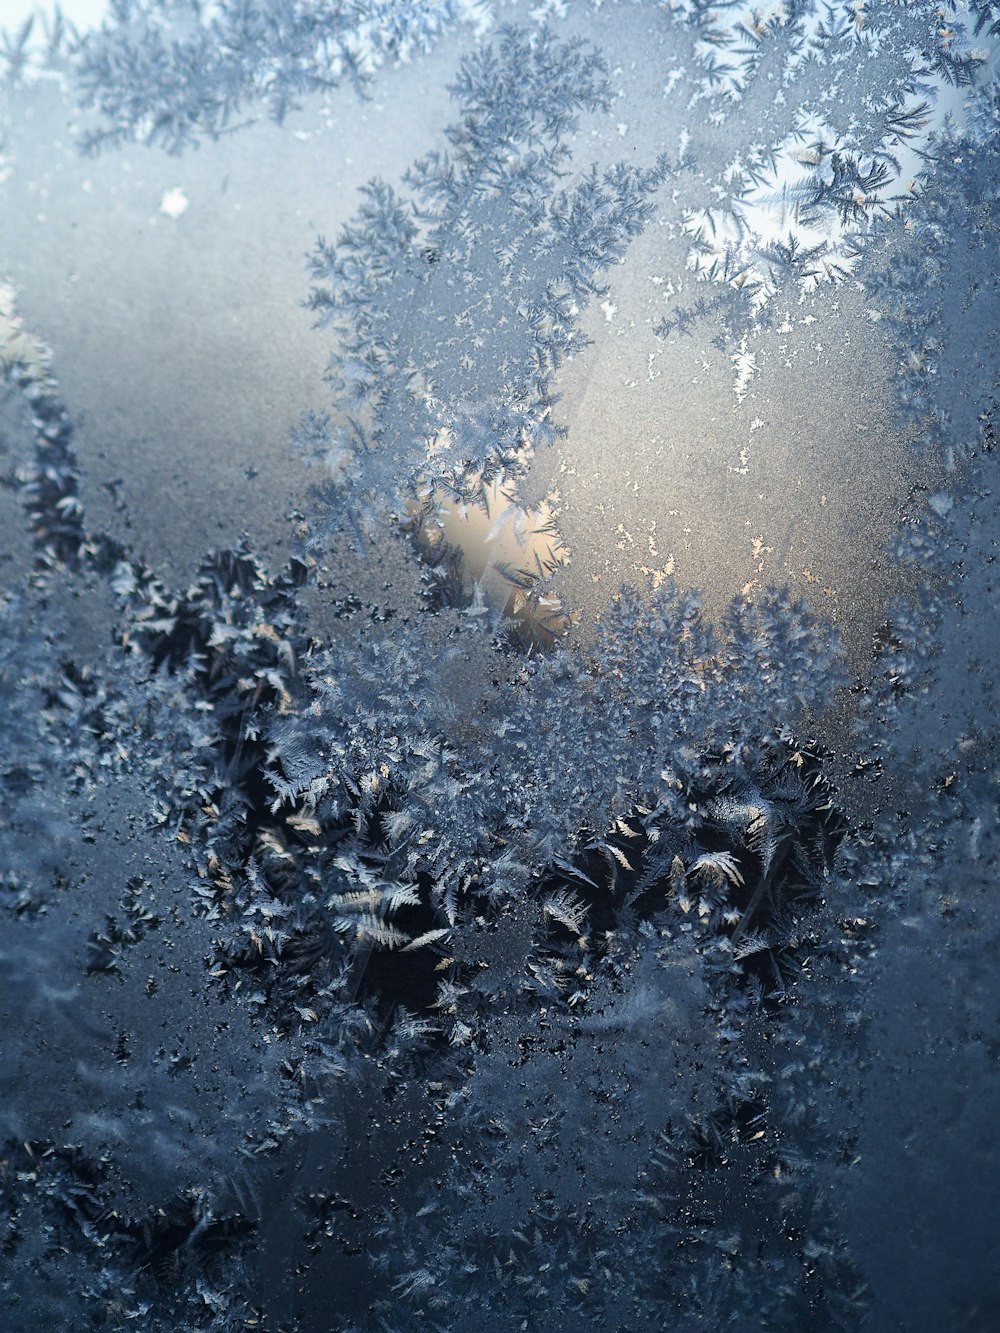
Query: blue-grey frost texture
x: 616, y: 953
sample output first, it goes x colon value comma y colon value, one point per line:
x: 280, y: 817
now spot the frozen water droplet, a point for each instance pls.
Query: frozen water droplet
x: 174, y: 202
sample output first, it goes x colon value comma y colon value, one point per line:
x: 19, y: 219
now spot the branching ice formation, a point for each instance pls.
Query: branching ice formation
x: 170, y: 71
x: 347, y: 934
x: 455, y: 306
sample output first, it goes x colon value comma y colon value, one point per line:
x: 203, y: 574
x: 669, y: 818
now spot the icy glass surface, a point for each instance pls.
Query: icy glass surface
x: 498, y: 799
